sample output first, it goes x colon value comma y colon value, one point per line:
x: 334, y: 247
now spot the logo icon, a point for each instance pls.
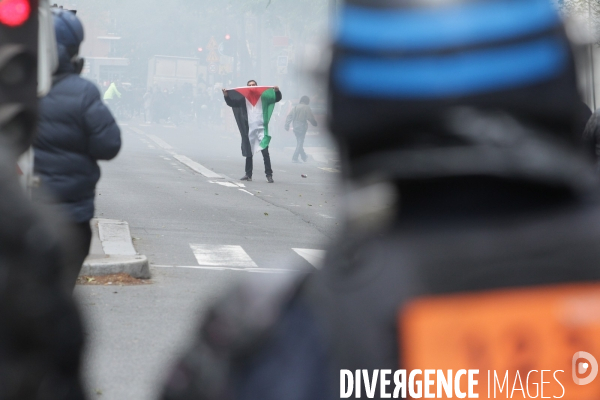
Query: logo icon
x: 583, y: 363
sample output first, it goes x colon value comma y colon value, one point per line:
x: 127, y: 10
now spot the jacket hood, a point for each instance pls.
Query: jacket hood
x: 64, y: 61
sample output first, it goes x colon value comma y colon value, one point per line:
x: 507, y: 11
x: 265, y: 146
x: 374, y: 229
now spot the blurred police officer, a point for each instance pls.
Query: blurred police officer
x: 457, y: 123
x: 75, y: 130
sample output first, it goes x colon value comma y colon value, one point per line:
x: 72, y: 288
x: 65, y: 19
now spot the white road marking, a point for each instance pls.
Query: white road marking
x: 160, y: 142
x: 325, y: 216
x: 330, y: 169
x: 139, y: 132
x: 211, y: 255
x: 255, y: 270
x: 226, y: 184
x: 245, y: 191
x: 196, y: 167
x: 314, y: 257
x: 234, y: 181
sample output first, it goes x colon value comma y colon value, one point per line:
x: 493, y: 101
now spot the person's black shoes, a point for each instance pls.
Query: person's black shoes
x: 270, y: 179
x: 304, y: 158
x: 246, y: 178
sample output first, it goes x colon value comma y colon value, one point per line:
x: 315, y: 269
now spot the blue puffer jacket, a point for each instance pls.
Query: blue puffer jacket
x: 75, y: 129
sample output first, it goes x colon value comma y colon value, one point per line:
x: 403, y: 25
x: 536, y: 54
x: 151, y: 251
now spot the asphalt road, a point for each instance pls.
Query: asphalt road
x: 201, y: 234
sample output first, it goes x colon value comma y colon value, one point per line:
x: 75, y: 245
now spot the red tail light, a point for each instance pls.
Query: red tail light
x: 14, y: 12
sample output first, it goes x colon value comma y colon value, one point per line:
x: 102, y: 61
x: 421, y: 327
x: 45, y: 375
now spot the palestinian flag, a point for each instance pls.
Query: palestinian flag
x: 259, y: 102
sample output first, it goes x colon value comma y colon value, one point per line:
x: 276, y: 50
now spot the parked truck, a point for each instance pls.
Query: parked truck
x: 166, y: 72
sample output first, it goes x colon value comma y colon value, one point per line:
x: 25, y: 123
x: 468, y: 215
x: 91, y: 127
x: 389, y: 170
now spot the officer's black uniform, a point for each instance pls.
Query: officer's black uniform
x: 41, y: 335
x: 469, y: 177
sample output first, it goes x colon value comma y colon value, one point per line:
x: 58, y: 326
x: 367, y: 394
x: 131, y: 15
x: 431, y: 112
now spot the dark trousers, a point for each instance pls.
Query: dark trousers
x: 78, y: 238
x: 267, y: 159
x: 299, y: 146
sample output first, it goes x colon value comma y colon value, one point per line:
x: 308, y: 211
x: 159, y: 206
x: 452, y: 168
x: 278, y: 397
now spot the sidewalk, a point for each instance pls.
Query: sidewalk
x: 112, y: 251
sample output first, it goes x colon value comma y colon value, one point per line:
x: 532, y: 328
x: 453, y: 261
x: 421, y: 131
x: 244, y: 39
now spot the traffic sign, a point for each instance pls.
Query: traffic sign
x: 282, y: 61
x: 212, y: 57
x: 212, y: 44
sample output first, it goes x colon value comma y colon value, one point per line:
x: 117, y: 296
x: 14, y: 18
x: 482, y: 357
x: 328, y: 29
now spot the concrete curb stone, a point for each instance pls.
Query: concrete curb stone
x: 112, y: 251
x: 136, y: 266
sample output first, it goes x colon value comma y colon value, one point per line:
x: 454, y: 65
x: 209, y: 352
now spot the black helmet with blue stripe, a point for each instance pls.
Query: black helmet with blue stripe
x: 455, y: 87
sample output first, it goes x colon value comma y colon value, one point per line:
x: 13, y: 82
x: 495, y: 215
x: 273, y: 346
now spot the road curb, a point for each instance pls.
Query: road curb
x: 137, y: 266
x: 112, y: 251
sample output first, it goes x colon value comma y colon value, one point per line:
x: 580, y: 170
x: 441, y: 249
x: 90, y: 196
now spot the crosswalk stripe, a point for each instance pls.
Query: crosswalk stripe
x: 314, y: 257
x: 211, y: 255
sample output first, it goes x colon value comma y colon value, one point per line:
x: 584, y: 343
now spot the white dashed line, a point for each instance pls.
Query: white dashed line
x: 201, y: 169
x: 139, y: 132
x: 330, y: 169
x: 160, y: 142
x: 325, y: 216
x: 226, y: 184
x: 182, y: 159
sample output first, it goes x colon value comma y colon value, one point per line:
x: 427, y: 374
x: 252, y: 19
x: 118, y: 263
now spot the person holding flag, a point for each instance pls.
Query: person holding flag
x: 252, y: 108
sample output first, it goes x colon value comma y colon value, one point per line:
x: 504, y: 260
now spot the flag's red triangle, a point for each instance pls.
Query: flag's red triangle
x: 252, y: 93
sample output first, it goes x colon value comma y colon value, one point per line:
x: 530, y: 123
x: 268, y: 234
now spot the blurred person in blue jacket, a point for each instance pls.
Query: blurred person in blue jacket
x: 75, y: 130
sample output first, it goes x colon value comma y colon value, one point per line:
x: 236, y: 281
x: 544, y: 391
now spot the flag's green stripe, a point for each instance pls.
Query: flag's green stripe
x: 268, y: 103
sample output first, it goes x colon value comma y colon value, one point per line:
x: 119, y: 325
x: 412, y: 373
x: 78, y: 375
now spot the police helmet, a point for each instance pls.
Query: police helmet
x: 431, y: 88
